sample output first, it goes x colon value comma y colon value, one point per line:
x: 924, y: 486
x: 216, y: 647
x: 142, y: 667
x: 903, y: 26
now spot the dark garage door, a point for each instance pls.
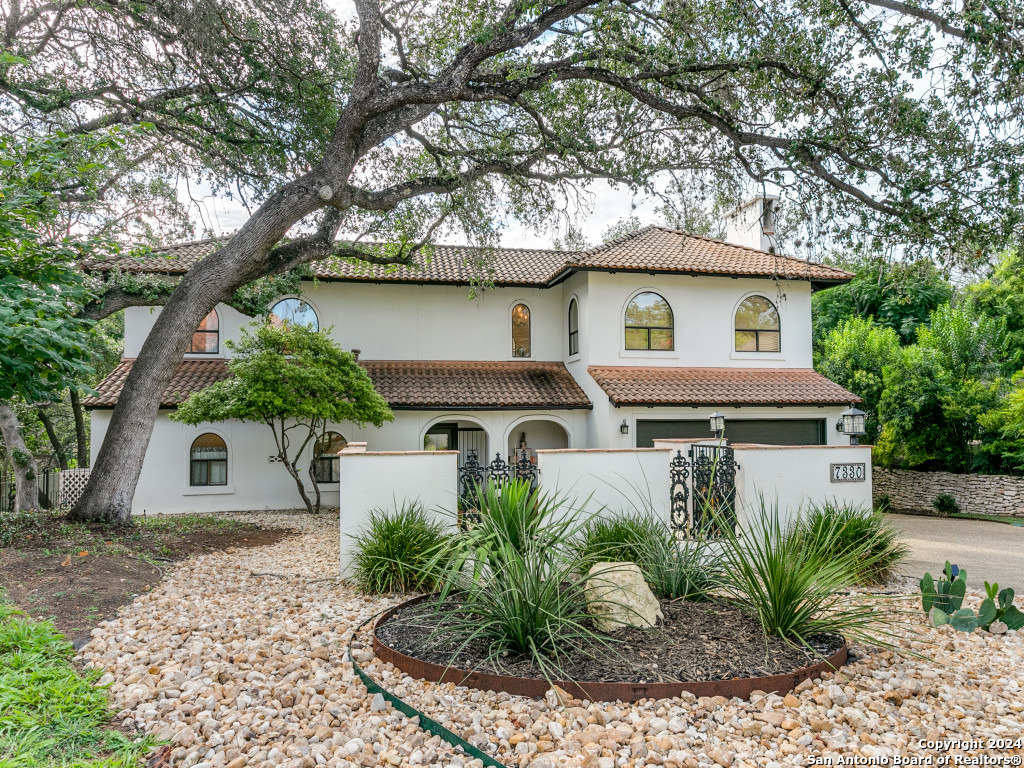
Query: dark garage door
x: 765, y: 431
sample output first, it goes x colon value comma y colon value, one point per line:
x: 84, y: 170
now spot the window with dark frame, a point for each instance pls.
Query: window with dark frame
x: 574, y: 327
x: 206, y: 338
x: 649, y: 323
x: 757, y: 326
x: 208, y: 461
x: 326, y: 464
x: 520, y: 331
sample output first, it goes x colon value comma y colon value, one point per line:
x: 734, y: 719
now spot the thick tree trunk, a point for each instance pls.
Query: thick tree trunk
x: 111, y: 487
x: 26, y: 471
x: 51, y: 434
x: 81, y: 444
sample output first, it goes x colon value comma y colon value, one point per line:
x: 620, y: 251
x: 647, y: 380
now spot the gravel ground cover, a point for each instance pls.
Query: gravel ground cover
x: 237, y: 659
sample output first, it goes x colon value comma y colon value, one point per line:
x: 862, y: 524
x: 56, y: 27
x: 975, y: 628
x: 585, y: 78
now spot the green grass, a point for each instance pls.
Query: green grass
x: 50, y: 715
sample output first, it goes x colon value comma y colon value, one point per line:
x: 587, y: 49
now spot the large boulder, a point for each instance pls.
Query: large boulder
x: 617, y: 597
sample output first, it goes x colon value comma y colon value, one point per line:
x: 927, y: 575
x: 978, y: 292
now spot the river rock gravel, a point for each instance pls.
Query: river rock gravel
x: 238, y: 659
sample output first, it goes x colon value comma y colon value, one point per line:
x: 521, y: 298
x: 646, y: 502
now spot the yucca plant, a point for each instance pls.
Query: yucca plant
x: 835, y: 527
x: 619, y: 536
x: 400, y: 550
x: 781, y: 576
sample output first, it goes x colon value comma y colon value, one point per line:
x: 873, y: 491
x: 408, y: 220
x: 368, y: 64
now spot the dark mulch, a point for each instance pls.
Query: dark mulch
x: 697, y: 641
x: 80, y: 574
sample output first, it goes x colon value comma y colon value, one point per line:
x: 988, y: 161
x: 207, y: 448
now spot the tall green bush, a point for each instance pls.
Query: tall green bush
x: 836, y: 528
x: 399, y: 551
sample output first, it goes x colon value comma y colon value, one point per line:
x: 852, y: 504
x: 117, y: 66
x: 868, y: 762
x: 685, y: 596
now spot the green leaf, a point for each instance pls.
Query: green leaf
x: 964, y: 620
x: 927, y: 592
x: 987, y: 612
x: 1013, y: 618
x: 1006, y: 598
x: 938, y: 617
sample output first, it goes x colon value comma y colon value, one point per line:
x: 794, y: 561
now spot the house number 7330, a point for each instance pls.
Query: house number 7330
x: 849, y: 473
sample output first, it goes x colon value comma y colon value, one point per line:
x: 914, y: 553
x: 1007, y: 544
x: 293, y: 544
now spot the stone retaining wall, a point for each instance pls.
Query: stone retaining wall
x: 976, y: 494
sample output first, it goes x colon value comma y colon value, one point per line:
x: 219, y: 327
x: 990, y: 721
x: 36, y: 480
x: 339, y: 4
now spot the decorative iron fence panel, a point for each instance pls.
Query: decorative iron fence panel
x: 473, y: 474
x: 702, y: 490
x: 72, y: 484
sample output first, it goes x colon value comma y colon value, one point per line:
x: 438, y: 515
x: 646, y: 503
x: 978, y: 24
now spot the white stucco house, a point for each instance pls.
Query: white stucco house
x: 630, y: 342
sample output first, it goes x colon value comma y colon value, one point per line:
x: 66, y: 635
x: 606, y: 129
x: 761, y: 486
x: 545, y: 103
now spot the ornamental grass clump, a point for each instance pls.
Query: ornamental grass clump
x: 511, y: 579
x: 674, y: 568
x: 782, y: 576
x: 834, y: 528
x: 399, y: 550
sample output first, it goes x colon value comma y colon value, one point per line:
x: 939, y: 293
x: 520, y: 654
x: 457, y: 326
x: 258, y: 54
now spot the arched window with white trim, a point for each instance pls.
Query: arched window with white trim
x: 208, y: 461
x: 206, y: 338
x: 520, y: 331
x: 757, y: 326
x: 649, y: 323
x: 574, y: 327
x: 326, y: 464
x: 294, y: 312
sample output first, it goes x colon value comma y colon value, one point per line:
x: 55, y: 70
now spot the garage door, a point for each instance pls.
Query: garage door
x: 765, y: 431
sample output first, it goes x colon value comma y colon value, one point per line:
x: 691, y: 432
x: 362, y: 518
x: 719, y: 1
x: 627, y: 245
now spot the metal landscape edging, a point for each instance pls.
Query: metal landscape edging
x: 535, y: 688
x: 426, y: 722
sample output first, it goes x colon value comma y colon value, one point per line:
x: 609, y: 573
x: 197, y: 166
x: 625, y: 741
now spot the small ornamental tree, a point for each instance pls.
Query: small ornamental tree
x: 295, y: 380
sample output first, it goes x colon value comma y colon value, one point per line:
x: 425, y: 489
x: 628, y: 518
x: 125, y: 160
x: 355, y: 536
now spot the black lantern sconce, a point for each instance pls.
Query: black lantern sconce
x: 851, y: 423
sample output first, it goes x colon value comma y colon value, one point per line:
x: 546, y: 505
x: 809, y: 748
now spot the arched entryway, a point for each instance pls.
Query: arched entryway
x: 457, y: 434
x: 533, y: 434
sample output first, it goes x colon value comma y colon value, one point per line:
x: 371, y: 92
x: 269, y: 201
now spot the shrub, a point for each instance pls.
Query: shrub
x: 512, y: 579
x: 673, y: 568
x: 946, y: 504
x: 783, y: 578
x: 883, y: 504
x: 394, y: 552
x: 834, y: 528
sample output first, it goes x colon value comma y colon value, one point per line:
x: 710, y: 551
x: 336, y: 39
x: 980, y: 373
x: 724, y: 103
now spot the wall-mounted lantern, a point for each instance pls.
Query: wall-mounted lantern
x: 851, y: 422
x: 624, y: 427
x: 717, y: 424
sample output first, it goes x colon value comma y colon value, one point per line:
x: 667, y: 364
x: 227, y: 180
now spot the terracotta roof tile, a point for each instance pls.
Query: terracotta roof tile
x: 425, y: 384
x: 477, y: 384
x: 627, y: 385
x: 190, y: 376
x: 669, y: 250
x: 652, y: 249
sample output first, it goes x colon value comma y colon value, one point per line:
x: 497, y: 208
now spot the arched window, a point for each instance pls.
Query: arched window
x: 520, y: 331
x: 757, y: 326
x: 206, y: 339
x: 574, y: 327
x: 649, y: 323
x: 208, y: 460
x: 293, y: 312
x: 325, y: 457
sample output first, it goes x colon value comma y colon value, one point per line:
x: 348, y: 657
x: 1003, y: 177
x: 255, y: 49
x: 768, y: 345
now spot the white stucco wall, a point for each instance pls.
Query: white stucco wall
x: 794, y: 476
x: 617, y: 480
x: 440, y: 322
x: 391, y: 479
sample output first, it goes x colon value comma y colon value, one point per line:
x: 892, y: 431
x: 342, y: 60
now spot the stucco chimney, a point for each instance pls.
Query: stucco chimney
x: 753, y: 223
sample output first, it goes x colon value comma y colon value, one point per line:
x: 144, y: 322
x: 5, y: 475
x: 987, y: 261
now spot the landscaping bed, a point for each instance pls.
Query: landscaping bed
x: 78, y: 574
x: 697, y: 641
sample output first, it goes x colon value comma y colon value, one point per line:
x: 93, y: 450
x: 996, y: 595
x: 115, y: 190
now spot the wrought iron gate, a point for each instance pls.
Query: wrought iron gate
x: 473, y: 474
x: 703, y: 490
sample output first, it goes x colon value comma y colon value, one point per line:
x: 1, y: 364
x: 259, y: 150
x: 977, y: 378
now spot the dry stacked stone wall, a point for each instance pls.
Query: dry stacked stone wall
x: 914, y: 492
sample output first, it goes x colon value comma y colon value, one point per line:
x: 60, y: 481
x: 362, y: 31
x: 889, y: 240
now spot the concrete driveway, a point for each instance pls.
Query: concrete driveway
x: 989, y: 551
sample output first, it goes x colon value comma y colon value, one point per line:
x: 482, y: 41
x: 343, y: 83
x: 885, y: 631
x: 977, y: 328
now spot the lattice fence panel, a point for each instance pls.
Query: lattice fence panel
x: 72, y: 483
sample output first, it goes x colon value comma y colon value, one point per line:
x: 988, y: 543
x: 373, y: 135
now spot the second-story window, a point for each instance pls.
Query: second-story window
x: 520, y: 331
x: 649, y: 323
x: 574, y: 328
x: 206, y: 338
x: 757, y: 326
x: 294, y: 312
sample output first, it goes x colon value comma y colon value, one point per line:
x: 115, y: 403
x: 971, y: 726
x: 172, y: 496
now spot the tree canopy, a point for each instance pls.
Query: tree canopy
x: 295, y: 381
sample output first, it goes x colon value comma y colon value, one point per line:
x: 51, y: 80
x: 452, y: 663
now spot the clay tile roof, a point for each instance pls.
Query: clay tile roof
x: 669, y: 250
x: 427, y: 384
x: 626, y: 385
x: 475, y: 384
x: 190, y: 376
x: 652, y: 249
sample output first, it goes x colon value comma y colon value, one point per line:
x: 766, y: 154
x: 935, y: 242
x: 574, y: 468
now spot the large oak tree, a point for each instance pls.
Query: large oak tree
x: 882, y: 120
